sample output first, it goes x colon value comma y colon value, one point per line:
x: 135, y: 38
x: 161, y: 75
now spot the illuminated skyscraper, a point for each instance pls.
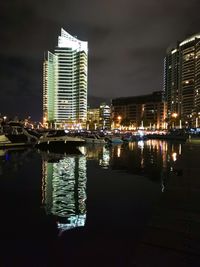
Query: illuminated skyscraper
x: 65, y: 82
x: 182, y: 81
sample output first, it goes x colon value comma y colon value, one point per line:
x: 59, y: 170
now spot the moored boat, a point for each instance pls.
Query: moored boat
x: 94, y: 139
x: 174, y: 134
x: 59, y: 141
x: 14, y: 135
x: 114, y: 140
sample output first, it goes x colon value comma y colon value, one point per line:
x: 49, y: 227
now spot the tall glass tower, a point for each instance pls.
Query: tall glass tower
x: 65, y: 83
x: 182, y: 82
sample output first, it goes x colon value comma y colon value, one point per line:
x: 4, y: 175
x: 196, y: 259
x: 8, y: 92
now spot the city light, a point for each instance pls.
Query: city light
x: 119, y: 118
x: 174, y: 156
x: 174, y: 115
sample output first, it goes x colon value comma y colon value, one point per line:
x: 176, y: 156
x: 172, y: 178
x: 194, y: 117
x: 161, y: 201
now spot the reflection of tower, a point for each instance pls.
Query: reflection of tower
x: 64, y: 191
x: 105, y: 160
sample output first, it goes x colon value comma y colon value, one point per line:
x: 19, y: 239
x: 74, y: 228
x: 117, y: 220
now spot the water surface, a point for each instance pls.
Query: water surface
x: 89, y: 209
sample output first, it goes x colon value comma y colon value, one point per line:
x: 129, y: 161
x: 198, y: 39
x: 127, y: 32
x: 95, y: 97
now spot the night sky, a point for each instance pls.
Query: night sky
x: 127, y: 42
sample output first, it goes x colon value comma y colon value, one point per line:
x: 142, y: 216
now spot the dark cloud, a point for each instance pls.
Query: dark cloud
x: 127, y: 44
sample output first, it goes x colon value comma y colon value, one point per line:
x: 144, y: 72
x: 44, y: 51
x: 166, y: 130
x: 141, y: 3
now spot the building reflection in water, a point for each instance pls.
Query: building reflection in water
x: 64, y: 190
x: 151, y: 158
x: 101, y: 153
x: 104, y: 161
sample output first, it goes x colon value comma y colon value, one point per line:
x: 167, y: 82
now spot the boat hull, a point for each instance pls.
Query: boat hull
x: 13, y: 141
x: 62, y: 145
x: 95, y: 141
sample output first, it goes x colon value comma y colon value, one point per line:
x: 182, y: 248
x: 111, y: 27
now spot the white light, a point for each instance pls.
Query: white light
x: 141, y: 133
x: 190, y: 39
x: 174, y: 156
x: 174, y: 51
x: 67, y: 40
x: 141, y: 144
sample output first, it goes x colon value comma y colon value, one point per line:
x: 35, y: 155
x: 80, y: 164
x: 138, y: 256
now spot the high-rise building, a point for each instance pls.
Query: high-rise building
x: 182, y: 82
x: 65, y: 83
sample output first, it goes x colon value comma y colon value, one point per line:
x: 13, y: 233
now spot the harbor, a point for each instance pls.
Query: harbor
x: 100, y: 134
x: 15, y: 134
x: 67, y: 199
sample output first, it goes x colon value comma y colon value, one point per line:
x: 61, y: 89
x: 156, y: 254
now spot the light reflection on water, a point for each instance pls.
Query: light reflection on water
x: 147, y: 158
x: 64, y: 177
x: 100, y: 202
x: 153, y: 159
x: 64, y: 190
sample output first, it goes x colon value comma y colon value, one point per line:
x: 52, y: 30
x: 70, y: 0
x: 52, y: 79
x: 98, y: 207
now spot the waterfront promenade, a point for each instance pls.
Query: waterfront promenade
x: 172, y: 237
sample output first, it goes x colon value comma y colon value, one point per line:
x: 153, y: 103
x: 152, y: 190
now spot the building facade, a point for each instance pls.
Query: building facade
x: 104, y: 117
x: 146, y: 111
x: 182, y: 82
x: 92, y: 118
x: 65, y: 78
x: 99, y: 118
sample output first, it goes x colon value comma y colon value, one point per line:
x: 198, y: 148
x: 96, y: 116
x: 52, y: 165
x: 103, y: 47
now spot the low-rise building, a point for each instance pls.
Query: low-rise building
x: 145, y: 111
x: 99, y: 118
x: 92, y: 118
x: 104, y: 116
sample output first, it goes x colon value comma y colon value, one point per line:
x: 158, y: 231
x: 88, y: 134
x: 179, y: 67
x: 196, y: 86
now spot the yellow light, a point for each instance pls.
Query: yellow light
x: 118, y: 152
x: 119, y: 117
x: 174, y: 156
x: 174, y: 115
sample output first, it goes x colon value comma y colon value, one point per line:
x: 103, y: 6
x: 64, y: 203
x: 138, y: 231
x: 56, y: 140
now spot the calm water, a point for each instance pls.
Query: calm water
x: 88, y: 210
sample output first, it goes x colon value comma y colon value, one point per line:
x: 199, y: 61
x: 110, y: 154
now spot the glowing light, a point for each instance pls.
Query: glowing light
x: 141, y: 144
x: 118, y: 152
x: 192, y: 38
x: 174, y: 156
x: 180, y: 149
x: 66, y: 40
x: 119, y: 118
x: 141, y: 133
x: 174, y: 51
x: 83, y: 150
x: 174, y: 115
